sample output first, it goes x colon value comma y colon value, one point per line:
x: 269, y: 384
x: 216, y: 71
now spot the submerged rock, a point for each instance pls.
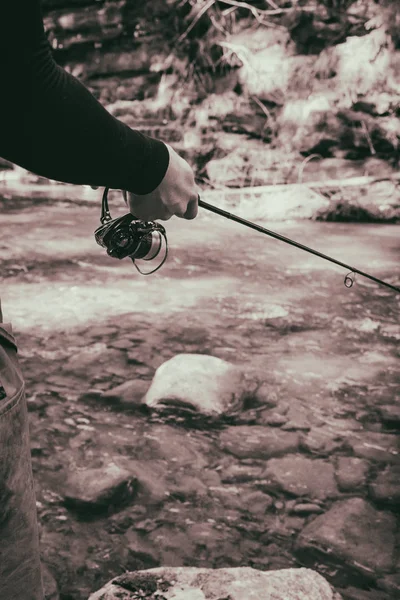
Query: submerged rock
x: 255, y: 441
x: 302, y: 476
x: 354, y: 533
x: 351, y: 472
x: 189, y: 583
x: 386, y: 487
x: 197, y: 383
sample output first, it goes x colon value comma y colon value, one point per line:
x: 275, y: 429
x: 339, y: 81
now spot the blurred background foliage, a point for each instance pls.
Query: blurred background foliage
x: 247, y: 91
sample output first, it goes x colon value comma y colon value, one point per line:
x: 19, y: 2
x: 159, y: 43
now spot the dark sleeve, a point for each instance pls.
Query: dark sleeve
x: 51, y: 124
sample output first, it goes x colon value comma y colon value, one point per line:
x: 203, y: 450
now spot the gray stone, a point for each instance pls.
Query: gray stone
x: 354, y: 533
x: 198, y: 382
x: 302, y: 476
x: 380, y: 447
x: 238, y: 473
x: 273, y: 419
x: 351, y: 472
x: 247, y: 441
x: 256, y: 503
x: 307, y: 509
x: 320, y: 440
x: 98, y: 490
x: 386, y: 487
x: 128, y: 393
x: 190, y: 583
x: 297, y: 418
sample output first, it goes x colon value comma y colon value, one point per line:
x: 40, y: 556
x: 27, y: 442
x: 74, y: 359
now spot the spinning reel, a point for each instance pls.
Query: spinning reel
x: 130, y: 237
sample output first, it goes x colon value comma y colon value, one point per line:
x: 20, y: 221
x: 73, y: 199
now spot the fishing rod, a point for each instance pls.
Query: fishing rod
x: 348, y: 280
x: 130, y: 237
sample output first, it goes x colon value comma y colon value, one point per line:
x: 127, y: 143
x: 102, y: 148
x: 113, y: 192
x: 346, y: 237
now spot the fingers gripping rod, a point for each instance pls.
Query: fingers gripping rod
x: 348, y: 279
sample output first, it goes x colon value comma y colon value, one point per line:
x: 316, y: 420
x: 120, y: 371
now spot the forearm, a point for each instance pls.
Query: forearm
x: 53, y: 126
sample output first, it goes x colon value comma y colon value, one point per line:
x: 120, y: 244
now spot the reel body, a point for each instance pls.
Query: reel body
x: 130, y: 237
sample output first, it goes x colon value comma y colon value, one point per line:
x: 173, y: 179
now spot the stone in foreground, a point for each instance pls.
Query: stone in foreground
x: 245, y: 583
x: 99, y: 490
x: 197, y: 383
x: 354, y: 533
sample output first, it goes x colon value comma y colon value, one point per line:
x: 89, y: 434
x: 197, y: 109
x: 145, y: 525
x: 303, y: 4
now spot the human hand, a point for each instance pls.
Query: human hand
x: 177, y: 195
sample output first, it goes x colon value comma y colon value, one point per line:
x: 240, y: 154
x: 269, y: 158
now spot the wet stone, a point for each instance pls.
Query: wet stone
x: 307, y: 509
x: 274, y: 419
x: 297, y: 418
x: 256, y: 503
x: 95, y: 491
x: 241, y: 473
x: 321, y: 441
x: 386, y: 487
x: 246, y: 441
x: 390, y: 415
x: 301, y: 476
x: 352, y: 533
x: 121, y: 344
x: 351, y: 472
x: 380, y: 447
x: 352, y: 593
x: 129, y: 393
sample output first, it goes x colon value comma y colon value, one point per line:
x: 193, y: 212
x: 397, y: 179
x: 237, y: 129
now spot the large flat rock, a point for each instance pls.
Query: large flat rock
x: 255, y: 441
x: 302, y: 476
x: 189, y: 583
x: 355, y: 533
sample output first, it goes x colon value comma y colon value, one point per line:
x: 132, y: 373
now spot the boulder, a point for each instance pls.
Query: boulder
x: 245, y: 583
x: 197, y: 383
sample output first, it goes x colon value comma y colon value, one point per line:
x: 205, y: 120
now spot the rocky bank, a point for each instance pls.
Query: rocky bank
x: 249, y: 95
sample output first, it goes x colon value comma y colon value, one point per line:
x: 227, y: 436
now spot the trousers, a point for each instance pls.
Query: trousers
x: 20, y: 567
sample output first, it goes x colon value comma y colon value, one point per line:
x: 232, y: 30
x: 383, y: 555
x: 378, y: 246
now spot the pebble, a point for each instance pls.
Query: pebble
x: 241, y: 473
x: 257, y: 503
x: 121, y: 344
x: 307, y: 509
x: 273, y: 419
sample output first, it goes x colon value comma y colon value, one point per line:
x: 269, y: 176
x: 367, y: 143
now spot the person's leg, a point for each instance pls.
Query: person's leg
x: 20, y: 569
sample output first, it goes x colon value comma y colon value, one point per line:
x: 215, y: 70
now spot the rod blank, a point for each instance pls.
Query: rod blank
x: 282, y: 238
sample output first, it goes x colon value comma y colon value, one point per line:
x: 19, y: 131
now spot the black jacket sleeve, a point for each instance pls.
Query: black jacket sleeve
x: 51, y: 124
